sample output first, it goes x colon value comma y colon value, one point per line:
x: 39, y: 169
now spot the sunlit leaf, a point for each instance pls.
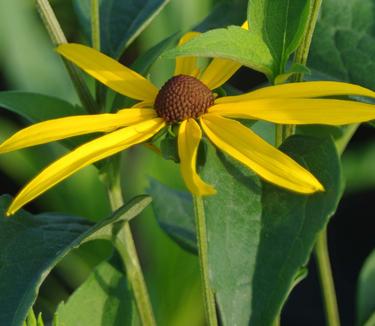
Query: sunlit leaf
x: 234, y: 43
x: 281, y: 24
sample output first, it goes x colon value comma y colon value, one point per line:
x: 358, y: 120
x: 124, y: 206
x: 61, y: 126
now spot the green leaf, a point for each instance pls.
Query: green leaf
x: 31, y: 245
x: 281, y: 25
x: 261, y: 235
x: 234, y: 43
x: 344, y: 41
x: 174, y: 212
x: 37, y: 107
x: 144, y: 62
x: 366, y: 292
x: 343, y: 46
x: 294, y: 69
x: 31, y: 319
x: 103, y: 299
x: 233, y: 218
x: 168, y: 148
x: 121, y: 21
x: 235, y: 14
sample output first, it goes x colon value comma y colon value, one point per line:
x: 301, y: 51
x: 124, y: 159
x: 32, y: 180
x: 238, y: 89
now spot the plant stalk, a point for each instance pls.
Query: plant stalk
x: 95, y: 25
x: 326, y: 280
x: 321, y: 248
x: 100, y: 90
x: 202, y: 241
x: 125, y: 245
x: 57, y: 36
x: 302, y: 52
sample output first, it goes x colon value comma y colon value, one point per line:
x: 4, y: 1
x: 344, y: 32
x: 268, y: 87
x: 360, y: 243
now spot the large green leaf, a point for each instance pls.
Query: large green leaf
x: 343, y: 48
x: 121, y: 21
x: 366, y: 293
x: 344, y: 41
x: 260, y: 235
x: 103, y: 299
x: 233, y: 43
x: 31, y: 245
x: 281, y: 25
x: 234, y: 226
x: 37, y: 107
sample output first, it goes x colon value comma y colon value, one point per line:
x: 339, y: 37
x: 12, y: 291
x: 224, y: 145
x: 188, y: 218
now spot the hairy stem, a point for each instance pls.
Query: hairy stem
x: 57, y: 36
x: 125, y: 245
x: 200, y: 224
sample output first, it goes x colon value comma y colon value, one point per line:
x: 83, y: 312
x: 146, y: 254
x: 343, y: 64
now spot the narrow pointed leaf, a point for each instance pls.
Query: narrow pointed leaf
x: 366, y: 292
x: 121, y: 21
x: 37, y: 107
x: 281, y: 24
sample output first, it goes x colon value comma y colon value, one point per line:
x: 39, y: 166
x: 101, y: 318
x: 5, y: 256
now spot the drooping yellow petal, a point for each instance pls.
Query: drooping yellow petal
x: 189, y: 136
x: 84, y: 155
x: 56, y: 129
x: 301, y: 90
x: 299, y: 111
x: 220, y: 70
x: 245, y: 146
x: 108, y: 71
x: 187, y: 65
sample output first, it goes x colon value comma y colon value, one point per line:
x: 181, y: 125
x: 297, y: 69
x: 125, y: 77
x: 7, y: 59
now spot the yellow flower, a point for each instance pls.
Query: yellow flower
x: 187, y: 99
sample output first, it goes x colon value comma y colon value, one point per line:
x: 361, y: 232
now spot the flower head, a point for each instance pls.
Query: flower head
x: 187, y: 99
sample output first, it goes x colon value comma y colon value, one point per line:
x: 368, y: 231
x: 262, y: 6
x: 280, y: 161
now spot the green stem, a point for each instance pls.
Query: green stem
x: 276, y: 322
x: 279, y: 134
x: 100, y: 90
x: 57, y: 36
x: 125, y: 245
x: 326, y: 280
x: 321, y: 249
x: 95, y: 24
x: 302, y: 52
x: 200, y: 224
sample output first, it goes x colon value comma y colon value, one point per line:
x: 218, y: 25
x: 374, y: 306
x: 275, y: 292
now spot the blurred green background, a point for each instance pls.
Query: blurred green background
x: 28, y: 63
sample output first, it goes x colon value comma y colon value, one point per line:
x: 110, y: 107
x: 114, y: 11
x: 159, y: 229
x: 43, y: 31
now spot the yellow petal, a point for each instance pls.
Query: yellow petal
x: 220, y: 70
x: 251, y: 150
x: 187, y: 65
x: 301, y: 90
x: 52, y: 130
x: 189, y: 136
x: 299, y: 111
x: 108, y: 71
x: 84, y: 155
